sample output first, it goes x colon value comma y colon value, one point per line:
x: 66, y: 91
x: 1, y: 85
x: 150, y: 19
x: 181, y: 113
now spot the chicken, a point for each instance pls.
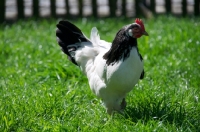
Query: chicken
x: 112, y: 69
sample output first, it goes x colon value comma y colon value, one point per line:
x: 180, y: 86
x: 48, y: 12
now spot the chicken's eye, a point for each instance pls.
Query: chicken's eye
x: 136, y: 29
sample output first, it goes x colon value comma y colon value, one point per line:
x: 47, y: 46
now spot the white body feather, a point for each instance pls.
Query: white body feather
x: 113, y: 82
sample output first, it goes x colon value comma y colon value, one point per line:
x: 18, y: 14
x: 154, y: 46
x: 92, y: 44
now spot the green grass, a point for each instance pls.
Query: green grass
x: 40, y: 90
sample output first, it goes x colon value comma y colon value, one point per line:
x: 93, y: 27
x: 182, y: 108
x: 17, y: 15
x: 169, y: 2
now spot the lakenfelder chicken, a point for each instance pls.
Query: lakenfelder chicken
x: 112, y: 69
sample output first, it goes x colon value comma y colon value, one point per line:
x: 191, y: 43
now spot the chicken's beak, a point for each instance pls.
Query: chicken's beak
x: 145, y: 33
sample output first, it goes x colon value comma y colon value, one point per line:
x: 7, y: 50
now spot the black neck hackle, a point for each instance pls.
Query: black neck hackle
x: 121, y: 47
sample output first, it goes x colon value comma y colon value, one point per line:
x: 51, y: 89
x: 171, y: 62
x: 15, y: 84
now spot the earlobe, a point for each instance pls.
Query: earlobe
x: 130, y: 33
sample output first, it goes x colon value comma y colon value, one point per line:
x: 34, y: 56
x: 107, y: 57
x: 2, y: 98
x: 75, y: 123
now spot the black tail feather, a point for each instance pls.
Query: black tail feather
x: 68, y: 34
x: 71, y: 26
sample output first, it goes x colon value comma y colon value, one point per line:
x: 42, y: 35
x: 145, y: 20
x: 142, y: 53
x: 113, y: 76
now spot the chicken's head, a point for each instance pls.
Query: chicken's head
x: 137, y: 29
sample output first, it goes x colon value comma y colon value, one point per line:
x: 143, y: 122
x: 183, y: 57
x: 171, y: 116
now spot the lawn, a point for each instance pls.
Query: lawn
x: 40, y: 90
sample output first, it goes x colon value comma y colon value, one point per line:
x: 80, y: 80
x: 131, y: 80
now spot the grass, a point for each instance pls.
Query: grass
x: 40, y: 90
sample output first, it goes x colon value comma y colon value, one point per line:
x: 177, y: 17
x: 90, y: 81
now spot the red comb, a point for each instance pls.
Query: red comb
x: 139, y: 21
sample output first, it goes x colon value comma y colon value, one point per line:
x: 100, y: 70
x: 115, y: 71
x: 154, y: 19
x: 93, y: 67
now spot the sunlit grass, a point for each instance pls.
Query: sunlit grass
x: 40, y: 90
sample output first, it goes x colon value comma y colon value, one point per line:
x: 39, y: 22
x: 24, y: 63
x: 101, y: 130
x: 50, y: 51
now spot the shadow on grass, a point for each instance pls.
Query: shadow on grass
x: 167, y: 112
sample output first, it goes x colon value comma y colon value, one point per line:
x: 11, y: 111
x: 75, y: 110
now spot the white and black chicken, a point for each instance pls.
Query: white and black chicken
x: 112, y: 69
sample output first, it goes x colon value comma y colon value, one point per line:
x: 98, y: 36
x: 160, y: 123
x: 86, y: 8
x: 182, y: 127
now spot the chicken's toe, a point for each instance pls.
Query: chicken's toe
x: 123, y: 104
